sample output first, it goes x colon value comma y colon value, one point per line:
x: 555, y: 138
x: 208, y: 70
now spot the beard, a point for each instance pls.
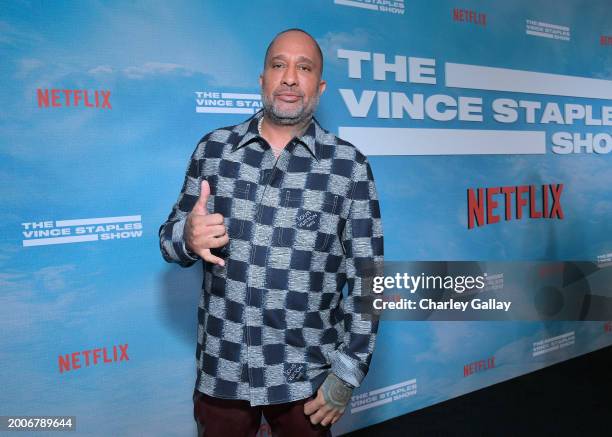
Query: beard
x: 288, y: 117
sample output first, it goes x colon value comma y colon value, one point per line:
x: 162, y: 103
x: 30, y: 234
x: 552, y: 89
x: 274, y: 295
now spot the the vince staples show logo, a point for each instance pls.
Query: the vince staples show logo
x: 551, y: 344
x: 215, y: 102
x: 604, y: 260
x: 384, y: 395
x: 46, y: 232
x: 389, y: 6
x: 547, y: 30
x: 58, y: 98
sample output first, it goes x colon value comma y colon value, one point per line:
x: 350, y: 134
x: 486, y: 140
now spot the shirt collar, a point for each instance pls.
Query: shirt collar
x: 311, y: 138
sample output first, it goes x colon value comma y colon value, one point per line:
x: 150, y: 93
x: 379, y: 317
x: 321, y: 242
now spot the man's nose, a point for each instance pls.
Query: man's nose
x: 290, y: 77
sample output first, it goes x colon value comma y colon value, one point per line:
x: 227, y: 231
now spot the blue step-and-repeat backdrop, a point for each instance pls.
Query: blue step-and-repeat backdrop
x: 488, y: 126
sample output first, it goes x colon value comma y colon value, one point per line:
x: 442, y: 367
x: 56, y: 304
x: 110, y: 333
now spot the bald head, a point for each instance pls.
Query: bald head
x: 314, y: 42
x: 291, y: 81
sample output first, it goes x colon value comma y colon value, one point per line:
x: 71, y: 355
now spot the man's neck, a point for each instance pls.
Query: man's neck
x: 279, y: 135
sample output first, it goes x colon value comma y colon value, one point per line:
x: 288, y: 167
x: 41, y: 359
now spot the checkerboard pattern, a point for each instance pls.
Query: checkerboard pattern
x: 273, y: 321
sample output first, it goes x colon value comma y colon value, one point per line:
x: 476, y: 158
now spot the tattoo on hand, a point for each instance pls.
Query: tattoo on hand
x: 335, y: 392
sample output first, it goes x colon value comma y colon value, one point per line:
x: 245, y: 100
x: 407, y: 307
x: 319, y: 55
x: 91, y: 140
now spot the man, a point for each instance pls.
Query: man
x: 283, y: 215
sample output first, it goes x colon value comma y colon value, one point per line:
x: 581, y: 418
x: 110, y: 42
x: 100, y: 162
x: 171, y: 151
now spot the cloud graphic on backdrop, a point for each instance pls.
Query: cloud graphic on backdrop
x: 332, y: 41
x: 154, y: 68
x: 30, y: 300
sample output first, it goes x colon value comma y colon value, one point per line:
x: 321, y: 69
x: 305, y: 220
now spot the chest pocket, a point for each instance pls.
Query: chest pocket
x: 309, y: 220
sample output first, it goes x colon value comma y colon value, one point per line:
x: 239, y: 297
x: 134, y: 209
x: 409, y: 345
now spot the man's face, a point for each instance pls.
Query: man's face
x: 291, y: 81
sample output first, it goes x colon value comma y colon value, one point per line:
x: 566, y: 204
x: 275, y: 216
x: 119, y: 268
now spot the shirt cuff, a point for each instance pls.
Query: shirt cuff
x: 346, y: 368
x: 344, y: 383
x: 189, y: 254
x: 178, y: 233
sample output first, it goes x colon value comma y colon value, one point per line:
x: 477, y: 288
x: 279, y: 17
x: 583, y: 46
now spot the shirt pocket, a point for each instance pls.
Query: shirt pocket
x: 309, y: 220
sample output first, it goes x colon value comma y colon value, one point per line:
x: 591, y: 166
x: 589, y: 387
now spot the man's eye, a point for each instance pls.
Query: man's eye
x: 305, y: 67
x: 277, y: 65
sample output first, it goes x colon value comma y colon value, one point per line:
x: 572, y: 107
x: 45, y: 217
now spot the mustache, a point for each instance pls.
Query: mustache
x: 286, y: 90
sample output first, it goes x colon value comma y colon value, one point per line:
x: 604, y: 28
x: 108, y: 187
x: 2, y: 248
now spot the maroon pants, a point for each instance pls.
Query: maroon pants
x: 228, y: 417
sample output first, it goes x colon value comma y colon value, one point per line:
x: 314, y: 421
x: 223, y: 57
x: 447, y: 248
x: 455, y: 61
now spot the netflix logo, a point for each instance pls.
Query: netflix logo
x: 57, y: 98
x: 93, y: 357
x: 478, y: 366
x: 485, y: 204
x: 608, y: 327
x: 469, y: 16
x: 551, y: 269
x: 605, y: 40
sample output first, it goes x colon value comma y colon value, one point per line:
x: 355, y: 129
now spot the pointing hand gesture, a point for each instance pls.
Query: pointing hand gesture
x: 205, y: 231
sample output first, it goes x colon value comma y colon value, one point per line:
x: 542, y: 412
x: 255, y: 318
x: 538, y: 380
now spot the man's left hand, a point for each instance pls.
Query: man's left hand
x: 328, y: 406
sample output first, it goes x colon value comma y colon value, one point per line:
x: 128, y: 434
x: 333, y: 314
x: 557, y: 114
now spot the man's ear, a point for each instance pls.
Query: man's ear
x: 322, y: 86
x: 261, y: 80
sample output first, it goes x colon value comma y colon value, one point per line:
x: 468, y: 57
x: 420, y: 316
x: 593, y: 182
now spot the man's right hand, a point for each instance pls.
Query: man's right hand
x: 205, y: 231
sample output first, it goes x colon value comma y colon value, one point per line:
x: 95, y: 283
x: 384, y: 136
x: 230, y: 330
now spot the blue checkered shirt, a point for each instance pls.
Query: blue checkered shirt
x: 274, y: 321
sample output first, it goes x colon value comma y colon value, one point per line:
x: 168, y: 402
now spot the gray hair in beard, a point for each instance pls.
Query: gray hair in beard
x: 289, y: 119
